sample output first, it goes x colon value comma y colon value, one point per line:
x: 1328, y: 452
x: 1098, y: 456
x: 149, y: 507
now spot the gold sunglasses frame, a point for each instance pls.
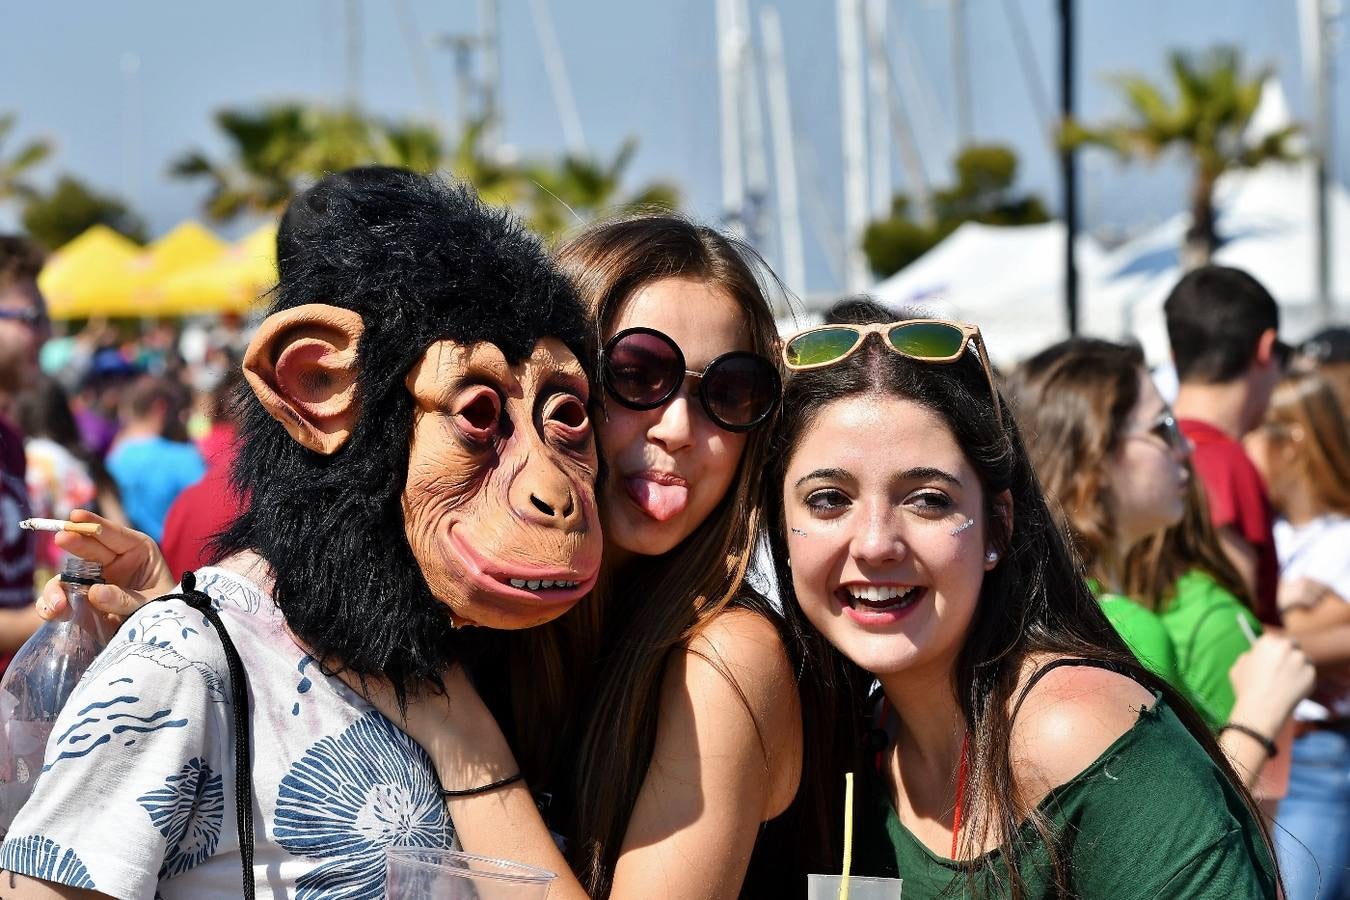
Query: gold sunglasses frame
x: 969, y: 333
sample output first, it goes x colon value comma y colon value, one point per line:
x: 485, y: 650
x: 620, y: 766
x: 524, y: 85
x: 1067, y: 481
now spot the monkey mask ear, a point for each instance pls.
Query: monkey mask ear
x: 302, y: 366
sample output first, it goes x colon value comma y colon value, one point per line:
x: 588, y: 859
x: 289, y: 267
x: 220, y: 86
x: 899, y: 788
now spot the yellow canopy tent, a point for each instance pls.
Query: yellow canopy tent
x: 90, y: 276
x: 187, y: 271
x: 232, y: 283
x: 189, y: 246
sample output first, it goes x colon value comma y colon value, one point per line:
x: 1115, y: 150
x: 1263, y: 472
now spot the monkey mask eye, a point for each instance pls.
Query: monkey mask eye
x: 479, y: 414
x: 566, y: 415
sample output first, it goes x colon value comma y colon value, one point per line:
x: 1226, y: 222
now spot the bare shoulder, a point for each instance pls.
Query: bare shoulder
x: 731, y: 695
x: 744, y: 651
x: 1068, y: 720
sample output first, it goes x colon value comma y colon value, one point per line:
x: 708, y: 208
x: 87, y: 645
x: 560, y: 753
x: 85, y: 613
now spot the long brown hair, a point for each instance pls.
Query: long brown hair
x: 1305, y: 413
x: 1074, y: 401
x: 1154, y: 565
x: 1033, y: 604
x: 665, y: 600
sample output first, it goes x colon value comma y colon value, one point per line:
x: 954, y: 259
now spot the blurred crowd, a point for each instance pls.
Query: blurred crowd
x: 132, y: 422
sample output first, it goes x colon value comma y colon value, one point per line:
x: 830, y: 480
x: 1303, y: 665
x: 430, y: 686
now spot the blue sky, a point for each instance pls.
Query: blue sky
x: 638, y: 68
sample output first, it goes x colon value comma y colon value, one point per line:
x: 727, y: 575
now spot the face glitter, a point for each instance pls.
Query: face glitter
x: 968, y: 523
x: 799, y: 531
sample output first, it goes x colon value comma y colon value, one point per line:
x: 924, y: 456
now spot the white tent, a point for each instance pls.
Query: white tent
x: 1007, y: 280
x: 1266, y: 218
x: 1010, y: 281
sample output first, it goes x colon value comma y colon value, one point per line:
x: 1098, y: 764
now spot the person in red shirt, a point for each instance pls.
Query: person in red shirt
x: 1223, y: 326
x: 204, y: 510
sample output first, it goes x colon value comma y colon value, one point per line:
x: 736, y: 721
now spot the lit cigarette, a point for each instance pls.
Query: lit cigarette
x: 61, y: 525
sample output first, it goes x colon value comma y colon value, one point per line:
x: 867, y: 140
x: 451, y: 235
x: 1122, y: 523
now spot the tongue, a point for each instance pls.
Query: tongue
x: 660, y: 501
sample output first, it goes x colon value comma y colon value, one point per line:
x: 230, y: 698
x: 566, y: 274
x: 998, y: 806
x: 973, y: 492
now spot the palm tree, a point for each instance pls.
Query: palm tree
x: 982, y: 192
x: 279, y: 149
x: 71, y: 207
x: 16, y: 168
x: 1207, y: 119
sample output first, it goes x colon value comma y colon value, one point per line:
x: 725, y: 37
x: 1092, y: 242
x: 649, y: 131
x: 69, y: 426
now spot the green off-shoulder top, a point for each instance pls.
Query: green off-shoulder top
x: 1151, y: 817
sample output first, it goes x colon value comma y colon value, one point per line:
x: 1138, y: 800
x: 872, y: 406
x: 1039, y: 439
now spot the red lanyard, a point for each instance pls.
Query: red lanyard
x: 961, y: 773
x: 960, y: 791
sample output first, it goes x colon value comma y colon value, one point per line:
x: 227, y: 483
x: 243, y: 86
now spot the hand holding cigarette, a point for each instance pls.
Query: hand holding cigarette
x: 134, y: 570
x: 90, y: 528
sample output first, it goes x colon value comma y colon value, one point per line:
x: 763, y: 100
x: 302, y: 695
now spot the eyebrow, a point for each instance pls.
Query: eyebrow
x: 567, y: 379
x: 822, y: 473
x: 920, y: 473
x: 928, y: 473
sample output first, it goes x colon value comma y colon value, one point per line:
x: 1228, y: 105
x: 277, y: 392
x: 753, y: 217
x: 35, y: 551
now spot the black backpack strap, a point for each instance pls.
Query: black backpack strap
x: 243, y: 768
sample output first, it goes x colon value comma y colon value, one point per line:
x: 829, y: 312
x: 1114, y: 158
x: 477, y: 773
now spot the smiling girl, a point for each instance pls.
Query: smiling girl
x: 1022, y: 750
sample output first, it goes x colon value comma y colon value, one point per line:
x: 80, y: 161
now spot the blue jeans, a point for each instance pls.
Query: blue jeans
x: 1312, y: 829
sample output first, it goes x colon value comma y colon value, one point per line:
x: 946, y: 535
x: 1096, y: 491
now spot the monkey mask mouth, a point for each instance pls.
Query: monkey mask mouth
x: 522, y: 583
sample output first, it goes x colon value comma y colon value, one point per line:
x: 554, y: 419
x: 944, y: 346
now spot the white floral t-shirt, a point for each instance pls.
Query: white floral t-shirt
x: 137, y: 794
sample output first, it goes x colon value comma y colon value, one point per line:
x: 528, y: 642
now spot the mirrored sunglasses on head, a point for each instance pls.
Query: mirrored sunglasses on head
x: 924, y: 340
x: 642, y: 369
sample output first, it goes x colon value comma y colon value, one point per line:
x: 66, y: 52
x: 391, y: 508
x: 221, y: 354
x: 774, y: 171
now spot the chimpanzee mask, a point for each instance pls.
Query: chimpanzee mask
x: 417, y: 452
x: 499, y: 507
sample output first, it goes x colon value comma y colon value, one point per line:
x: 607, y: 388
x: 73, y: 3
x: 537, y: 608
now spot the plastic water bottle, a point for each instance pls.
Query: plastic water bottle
x: 37, y: 683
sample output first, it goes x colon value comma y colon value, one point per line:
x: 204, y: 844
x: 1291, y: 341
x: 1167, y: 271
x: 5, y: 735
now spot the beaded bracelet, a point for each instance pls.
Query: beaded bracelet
x: 483, y: 789
x: 1255, y: 735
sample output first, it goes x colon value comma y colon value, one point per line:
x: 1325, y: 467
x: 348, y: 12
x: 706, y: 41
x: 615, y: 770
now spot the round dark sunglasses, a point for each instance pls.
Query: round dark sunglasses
x: 642, y: 369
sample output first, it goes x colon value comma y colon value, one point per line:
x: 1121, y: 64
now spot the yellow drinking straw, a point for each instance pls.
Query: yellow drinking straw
x: 848, y: 835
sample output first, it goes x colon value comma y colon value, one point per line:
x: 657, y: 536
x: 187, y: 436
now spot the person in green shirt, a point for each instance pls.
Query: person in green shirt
x: 1107, y: 449
x: 1019, y: 748
x: 1184, y: 574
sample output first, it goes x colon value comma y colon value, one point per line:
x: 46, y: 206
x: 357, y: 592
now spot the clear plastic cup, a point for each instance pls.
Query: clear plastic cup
x: 828, y: 887
x: 424, y: 873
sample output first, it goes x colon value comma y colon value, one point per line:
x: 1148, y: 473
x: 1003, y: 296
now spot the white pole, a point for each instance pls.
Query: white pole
x: 961, y: 72
x: 352, y: 18
x: 131, y: 127
x: 491, y: 83
x: 417, y: 58
x: 854, y: 143
x: 928, y: 116
x: 556, y: 66
x: 729, y: 42
x: 756, y: 161
x: 1314, y: 21
x: 878, y: 85
x: 915, y: 178
x: 784, y: 153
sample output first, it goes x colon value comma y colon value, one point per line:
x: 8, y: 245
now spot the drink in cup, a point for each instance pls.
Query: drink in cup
x: 424, y: 873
